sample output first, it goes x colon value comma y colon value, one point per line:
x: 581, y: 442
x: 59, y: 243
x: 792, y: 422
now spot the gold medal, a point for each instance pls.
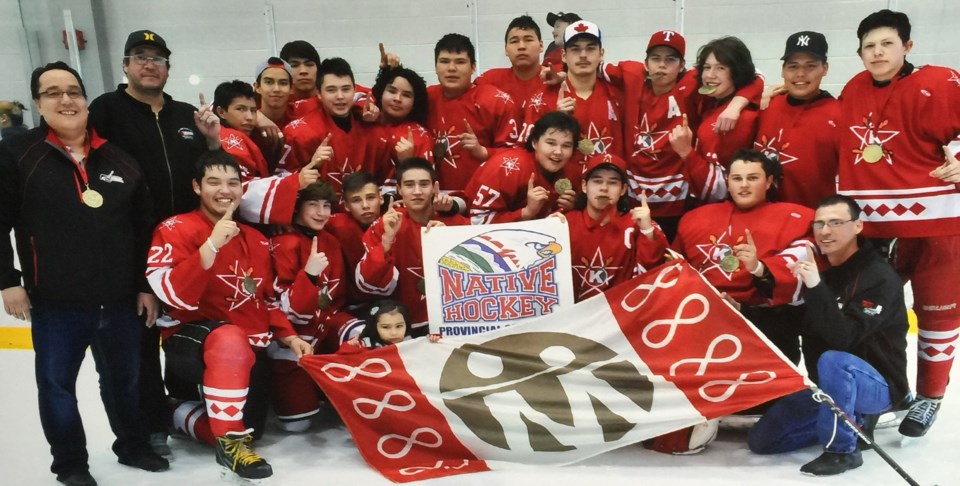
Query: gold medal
x: 92, y: 198
x: 440, y: 148
x: 562, y: 186
x: 872, y: 153
x: 249, y: 285
x: 586, y: 146
x: 324, y: 301
x: 422, y: 287
x: 707, y: 89
x: 729, y: 263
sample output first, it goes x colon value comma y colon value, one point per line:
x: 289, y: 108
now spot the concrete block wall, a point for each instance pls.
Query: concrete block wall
x: 217, y: 40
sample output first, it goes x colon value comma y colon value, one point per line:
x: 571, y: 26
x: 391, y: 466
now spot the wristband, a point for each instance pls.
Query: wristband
x: 649, y: 231
x: 214, y: 249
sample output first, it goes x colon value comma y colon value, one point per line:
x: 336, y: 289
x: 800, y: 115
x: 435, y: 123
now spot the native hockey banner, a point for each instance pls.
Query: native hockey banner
x: 482, y: 278
x: 655, y: 354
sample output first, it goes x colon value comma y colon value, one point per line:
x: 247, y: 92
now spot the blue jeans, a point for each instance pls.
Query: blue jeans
x: 60, y: 339
x: 797, y: 421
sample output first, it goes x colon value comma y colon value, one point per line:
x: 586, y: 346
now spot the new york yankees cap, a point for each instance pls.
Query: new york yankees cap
x: 807, y: 41
x: 145, y: 38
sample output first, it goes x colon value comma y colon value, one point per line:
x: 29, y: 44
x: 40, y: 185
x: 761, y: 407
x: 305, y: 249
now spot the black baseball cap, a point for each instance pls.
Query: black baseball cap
x: 807, y: 41
x: 145, y: 38
x: 569, y: 18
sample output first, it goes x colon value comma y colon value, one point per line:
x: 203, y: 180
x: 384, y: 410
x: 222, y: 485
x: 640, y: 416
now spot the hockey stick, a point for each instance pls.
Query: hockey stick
x: 821, y: 396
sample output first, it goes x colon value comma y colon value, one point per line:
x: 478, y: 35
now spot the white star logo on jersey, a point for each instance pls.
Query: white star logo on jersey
x: 595, y: 274
x: 955, y: 78
x: 871, y: 134
x: 169, y: 223
x: 503, y: 95
x: 774, y: 148
x: 510, y: 165
x: 713, y: 254
x: 647, y: 139
x: 601, y: 141
x: 296, y: 123
x: 232, y: 142
x: 345, y: 170
x: 235, y: 281
x: 537, y: 101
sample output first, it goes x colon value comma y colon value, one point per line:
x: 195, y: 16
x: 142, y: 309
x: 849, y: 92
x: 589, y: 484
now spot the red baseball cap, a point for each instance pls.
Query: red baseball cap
x: 670, y: 38
x: 606, y: 161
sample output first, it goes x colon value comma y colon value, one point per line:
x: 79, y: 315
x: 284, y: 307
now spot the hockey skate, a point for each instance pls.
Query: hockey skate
x: 239, y: 462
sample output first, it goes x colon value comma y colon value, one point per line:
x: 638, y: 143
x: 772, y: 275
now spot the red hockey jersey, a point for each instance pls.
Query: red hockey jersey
x: 399, y: 272
x: 391, y: 133
x: 497, y: 193
x: 355, y: 150
x: 891, y: 140
x: 350, y: 235
x: 781, y: 231
x: 600, y: 117
x: 606, y: 255
x: 504, y: 79
x: 652, y: 164
x: 238, y: 288
x: 492, y: 114
x: 804, y: 136
x: 309, y: 305
x: 247, y: 153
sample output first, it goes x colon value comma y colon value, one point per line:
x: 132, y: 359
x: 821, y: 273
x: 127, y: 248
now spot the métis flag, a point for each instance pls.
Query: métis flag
x: 656, y: 354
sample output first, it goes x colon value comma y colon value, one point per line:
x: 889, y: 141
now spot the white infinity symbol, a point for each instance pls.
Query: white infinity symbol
x: 659, y: 283
x: 408, y: 442
x: 410, y: 471
x: 710, y: 358
x: 676, y: 321
x: 384, y: 404
x: 732, y: 385
x: 359, y: 370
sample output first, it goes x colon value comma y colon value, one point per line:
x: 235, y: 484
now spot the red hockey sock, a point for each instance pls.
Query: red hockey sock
x: 228, y: 360
x: 935, y: 351
x: 191, y: 418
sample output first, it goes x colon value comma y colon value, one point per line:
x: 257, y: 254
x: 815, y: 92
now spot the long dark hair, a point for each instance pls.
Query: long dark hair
x: 370, y: 336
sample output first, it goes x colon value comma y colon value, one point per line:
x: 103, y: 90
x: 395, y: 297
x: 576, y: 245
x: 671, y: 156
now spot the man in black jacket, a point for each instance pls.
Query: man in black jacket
x: 856, y: 310
x: 81, y: 217
x: 166, y: 137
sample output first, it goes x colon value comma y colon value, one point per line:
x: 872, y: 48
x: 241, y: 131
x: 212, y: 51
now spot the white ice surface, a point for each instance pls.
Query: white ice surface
x: 326, y: 454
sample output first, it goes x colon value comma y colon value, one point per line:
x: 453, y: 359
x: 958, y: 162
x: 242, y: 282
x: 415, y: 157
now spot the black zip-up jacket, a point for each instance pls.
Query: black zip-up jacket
x: 72, y: 255
x: 166, y: 144
x: 858, y: 308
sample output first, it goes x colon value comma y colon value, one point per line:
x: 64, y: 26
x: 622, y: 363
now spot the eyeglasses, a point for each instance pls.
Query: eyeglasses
x: 142, y: 60
x: 833, y: 223
x: 56, y: 94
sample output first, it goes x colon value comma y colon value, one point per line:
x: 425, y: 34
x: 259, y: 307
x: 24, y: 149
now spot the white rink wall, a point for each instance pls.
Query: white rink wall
x: 217, y: 40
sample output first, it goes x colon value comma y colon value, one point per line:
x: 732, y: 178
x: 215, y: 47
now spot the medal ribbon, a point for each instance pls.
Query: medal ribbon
x: 84, y: 179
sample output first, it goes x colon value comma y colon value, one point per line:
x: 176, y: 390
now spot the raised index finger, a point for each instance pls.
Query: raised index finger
x: 686, y: 123
x: 749, y: 238
x: 228, y: 214
x: 469, y: 128
x: 643, y: 200
x: 530, y: 185
x: 203, y: 100
x: 383, y: 55
x: 326, y: 140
